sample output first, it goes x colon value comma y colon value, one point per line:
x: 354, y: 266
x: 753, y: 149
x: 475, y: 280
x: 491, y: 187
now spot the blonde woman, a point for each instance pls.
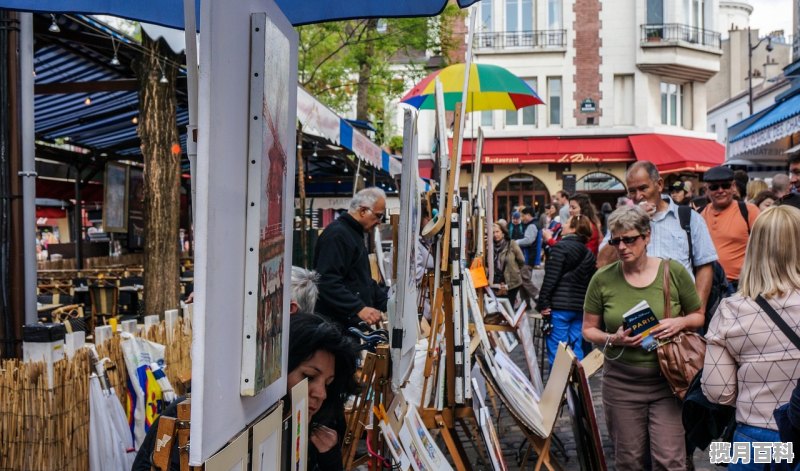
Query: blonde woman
x: 749, y: 362
x: 754, y: 187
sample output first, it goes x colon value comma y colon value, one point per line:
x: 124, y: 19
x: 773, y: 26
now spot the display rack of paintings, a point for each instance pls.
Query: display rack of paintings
x: 584, y: 421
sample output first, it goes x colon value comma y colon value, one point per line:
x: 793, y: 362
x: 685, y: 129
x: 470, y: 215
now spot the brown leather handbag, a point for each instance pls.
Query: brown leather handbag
x: 681, y: 357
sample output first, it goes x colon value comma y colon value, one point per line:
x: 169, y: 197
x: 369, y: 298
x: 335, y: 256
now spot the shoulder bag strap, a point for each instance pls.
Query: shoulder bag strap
x: 776, y: 318
x: 665, y: 289
x: 745, y: 215
x: 685, y: 218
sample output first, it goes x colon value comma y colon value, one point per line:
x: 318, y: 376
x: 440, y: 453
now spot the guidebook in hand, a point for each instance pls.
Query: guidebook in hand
x: 641, y: 319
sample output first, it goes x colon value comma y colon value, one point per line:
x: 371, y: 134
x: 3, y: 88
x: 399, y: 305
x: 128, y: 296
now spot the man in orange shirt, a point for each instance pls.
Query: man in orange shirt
x: 728, y: 221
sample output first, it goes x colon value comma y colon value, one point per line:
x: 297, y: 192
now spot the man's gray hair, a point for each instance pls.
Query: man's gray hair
x: 649, y: 167
x: 780, y: 183
x: 629, y: 218
x: 367, y: 198
x: 304, y: 289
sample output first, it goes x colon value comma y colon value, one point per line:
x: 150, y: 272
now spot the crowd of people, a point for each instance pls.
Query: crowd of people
x: 703, y: 258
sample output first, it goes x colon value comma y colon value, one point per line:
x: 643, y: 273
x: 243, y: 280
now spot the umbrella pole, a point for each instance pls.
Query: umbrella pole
x: 466, y: 109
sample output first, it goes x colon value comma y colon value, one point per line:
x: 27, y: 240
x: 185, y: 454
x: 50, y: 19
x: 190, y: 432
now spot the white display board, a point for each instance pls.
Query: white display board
x: 218, y: 409
x: 404, y: 324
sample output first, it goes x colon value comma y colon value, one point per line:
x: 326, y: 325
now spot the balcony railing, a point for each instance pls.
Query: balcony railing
x: 550, y: 38
x: 674, y: 32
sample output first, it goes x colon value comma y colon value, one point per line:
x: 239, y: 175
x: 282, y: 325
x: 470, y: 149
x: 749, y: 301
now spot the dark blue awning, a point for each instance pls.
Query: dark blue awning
x: 780, y: 120
x: 170, y: 12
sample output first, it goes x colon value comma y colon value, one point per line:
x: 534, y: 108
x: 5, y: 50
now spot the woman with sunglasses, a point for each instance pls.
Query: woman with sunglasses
x: 641, y: 412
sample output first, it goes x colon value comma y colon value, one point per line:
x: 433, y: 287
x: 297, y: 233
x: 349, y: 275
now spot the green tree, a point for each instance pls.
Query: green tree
x: 369, y: 59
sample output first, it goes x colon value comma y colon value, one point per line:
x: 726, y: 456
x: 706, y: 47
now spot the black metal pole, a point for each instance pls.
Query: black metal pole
x: 77, y: 221
x: 8, y: 336
x: 750, y: 70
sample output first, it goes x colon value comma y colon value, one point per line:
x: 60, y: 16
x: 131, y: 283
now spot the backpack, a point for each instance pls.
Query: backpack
x: 720, y: 288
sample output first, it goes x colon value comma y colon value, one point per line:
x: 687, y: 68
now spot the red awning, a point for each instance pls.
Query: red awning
x: 551, y: 150
x: 61, y: 190
x: 673, y: 154
x: 49, y: 212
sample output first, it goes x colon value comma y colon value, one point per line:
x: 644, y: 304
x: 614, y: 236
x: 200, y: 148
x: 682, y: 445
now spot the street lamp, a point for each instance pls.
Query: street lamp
x: 750, y: 49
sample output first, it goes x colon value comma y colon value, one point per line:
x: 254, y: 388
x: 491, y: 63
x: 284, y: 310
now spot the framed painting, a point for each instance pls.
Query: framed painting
x: 115, y: 198
x: 231, y: 458
x: 270, y: 173
x: 267, y: 440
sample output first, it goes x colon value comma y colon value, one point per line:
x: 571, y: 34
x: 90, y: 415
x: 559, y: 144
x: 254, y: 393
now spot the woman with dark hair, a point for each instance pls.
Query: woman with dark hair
x: 765, y: 199
x: 321, y: 352
x: 567, y: 273
x: 579, y: 204
x: 508, y: 262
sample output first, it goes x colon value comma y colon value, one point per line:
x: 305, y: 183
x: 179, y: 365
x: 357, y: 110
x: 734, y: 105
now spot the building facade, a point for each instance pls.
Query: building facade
x: 621, y: 81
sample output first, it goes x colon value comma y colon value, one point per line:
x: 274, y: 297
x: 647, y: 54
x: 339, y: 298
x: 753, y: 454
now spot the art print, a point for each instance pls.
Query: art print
x: 299, y: 431
x: 394, y: 446
x: 270, y: 156
x: 267, y: 441
x: 115, y: 198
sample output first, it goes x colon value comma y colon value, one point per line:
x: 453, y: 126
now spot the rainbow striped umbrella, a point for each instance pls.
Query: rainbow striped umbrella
x: 490, y: 88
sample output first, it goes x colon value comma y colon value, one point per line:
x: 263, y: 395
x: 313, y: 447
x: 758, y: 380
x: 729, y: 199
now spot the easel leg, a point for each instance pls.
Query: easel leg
x: 455, y: 451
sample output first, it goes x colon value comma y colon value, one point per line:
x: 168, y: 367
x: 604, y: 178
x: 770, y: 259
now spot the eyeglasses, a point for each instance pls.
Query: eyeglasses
x: 379, y: 216
x: 717, y: 186
x: 628, y: 240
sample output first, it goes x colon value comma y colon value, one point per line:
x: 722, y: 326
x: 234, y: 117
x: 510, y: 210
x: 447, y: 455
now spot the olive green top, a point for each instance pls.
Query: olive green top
x: 611, y: 296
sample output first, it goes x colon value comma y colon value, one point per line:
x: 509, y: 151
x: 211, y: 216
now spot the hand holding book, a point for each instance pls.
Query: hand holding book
x: 623, y: 338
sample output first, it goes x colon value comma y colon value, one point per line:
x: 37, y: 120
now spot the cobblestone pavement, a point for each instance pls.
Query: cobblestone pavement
x: 512, y: 439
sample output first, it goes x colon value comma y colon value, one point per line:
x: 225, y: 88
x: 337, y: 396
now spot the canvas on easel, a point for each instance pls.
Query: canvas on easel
x: 584, y: 421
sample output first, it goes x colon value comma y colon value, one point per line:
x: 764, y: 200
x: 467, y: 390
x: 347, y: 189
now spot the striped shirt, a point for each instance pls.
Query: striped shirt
x: 668, y: 239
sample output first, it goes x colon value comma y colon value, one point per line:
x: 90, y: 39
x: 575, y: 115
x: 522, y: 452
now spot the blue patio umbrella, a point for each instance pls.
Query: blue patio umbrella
x: 170, y: 12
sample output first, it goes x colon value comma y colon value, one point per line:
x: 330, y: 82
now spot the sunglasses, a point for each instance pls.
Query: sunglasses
x: 717, y: 186
x: 628, y: 240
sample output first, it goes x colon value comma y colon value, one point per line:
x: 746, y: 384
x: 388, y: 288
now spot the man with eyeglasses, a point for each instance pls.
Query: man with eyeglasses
x: 728, y: 222
x: 668, y: 238
x: 347, y: 292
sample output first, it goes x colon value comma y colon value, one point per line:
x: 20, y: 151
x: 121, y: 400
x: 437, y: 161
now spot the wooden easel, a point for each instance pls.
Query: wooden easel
x: 169, y: 429
x: 375, y: 380
x: 445, y: 420
x: 550, y: 403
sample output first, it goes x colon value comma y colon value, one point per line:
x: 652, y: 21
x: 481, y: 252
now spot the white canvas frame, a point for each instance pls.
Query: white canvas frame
x: 268, y: 45
x: 404, y: 325
x: 219, y: 412
x: 267, y: 440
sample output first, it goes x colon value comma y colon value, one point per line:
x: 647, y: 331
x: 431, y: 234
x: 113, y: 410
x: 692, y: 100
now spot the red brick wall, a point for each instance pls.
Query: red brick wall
x: 459, y: 37
x: 587, y: 58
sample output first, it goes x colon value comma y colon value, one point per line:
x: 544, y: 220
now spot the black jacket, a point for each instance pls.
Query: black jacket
x: 569, y: 268
x: 345, y: 283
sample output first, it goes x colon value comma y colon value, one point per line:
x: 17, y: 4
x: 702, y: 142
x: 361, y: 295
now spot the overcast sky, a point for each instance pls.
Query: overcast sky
x: 769, y: 15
